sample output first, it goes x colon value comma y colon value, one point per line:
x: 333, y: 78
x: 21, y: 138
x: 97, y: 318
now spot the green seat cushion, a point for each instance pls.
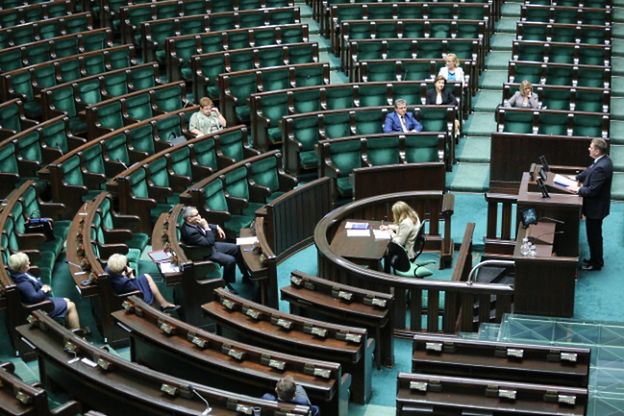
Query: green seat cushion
x: 308, y: 159
x: 344, y: 186
x: 138, y: 241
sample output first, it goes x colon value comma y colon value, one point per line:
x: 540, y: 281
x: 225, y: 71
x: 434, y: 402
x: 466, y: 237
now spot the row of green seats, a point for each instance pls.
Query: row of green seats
x: 351, y: 30
x: 24, y: 203
x: 576, y: 14
x: 564, y: 32
x: 339, y: 157
x: 554, y: 122
x: 45, y: 50
x: 75, y: 96
x: 154, y: 186
x: 269, y: 108
x: 180, y: 49
x: 560, y: 74
x: 574, y: 3
x: 45, y: 29
x: 12, y: 118
x: 117, y: 112
x: 26, y: 83
x: 23, y: 153
x: 235, y: 88
x: 567, y: 98
x: 75, y: 174
x: 39, y: 11
x: 206, y: 68
x: 302, y: 132
x: 154, y: 33
x: 231, y: 196
x: 561, y: 52
x: 399, y: 11
x: 367, y: 49
x: 132, y: 16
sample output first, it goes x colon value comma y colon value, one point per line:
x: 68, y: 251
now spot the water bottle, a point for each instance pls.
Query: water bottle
x: 532, y: 250
x: 524, y: 248
x: 257, y: 411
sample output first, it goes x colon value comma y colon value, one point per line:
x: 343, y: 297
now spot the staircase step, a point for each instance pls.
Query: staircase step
x: 616, y: 132
x: 616, y: 152
x: 617, y: 85
x: 618, y: 31
x: 475, y: 149
x: 481, y: 123
x: 469, y: 177
x: 617, y: 188
x: 511, y: 10
x: 498, y: 60
x: 502, y: 41
x: 618, y: 15
x: 493, y: 79
x: 616, y: 66
x: 487, y: 100
x: 506, y: 24
x: 617, y: 108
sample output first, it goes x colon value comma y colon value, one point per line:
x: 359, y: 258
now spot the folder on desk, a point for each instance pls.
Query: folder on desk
x: 350, y: 225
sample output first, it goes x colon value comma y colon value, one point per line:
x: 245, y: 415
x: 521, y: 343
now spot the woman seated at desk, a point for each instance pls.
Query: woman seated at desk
x: 405, y: 227
x: 122, y: 281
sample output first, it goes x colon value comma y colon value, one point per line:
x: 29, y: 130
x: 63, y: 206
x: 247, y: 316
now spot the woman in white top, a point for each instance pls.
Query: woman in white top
x: 452, y: 71
x: 405, y: 228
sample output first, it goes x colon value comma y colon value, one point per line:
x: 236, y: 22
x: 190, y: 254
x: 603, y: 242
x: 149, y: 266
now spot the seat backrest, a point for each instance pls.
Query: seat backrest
x: 397, y: 256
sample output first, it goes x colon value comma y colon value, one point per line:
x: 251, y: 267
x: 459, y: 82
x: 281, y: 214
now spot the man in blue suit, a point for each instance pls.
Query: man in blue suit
x: 596, y: 193
x: 400, y: 120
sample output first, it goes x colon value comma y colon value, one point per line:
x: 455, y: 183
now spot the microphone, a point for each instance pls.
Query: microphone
x: 552, y: 220
x: 533, y: 239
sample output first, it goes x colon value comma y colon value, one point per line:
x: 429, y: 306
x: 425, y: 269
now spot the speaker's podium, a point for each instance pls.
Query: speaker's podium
x: 545, y: 282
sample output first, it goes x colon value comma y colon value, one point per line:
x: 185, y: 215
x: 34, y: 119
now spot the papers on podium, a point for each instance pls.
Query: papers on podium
x: 381, y: 234
x: 350, y: 225
x: 358, y: 233
x: 566, y: 182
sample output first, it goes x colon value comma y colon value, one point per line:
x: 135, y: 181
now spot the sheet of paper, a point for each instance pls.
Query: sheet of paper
x: 168, y: 267
x: 358, y: 233
x: 351, y: 225
x: 565, y: 181
x: 381, y: 234
x: 246, y: 241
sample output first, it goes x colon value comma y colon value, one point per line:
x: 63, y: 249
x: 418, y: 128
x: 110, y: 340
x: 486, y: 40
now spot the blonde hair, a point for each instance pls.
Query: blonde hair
x: 18, y: 262
x: 400, y: 211
x: 117, y: 263
x: 525, y: 84
x: 452, y: 57
x: 205, y: 101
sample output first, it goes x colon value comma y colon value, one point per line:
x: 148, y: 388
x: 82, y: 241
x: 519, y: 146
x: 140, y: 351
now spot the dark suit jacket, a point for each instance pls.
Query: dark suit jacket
x: 393, y: 123
x: 194, y: 236
x: 30, y: 290
x: 447, y: 97
x: 596, y: 189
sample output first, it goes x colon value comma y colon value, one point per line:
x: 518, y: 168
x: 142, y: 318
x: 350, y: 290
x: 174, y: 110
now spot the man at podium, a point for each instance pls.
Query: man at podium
x: 596, y: 192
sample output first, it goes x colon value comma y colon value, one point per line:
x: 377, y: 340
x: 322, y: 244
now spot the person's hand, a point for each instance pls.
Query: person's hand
x: 220, y: 232
x: 383, y: 227
x: 46, y: 288
x: 203, y: 223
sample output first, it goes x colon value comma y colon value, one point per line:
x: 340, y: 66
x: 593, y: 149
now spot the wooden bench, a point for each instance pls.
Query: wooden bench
x: 104, y: 381
x: 21, y: 399
x: 422, y: 394
x: 349, y: 346
x: 377, y: 180
x: 174, y: 347
x: 318, y: 298
x: 543, y: 364
x: 283, y: 227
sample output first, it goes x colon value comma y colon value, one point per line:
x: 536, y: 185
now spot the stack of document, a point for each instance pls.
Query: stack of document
x: 350, y: 225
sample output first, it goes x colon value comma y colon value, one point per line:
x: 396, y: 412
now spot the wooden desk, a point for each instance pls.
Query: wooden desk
x: 361, y: 250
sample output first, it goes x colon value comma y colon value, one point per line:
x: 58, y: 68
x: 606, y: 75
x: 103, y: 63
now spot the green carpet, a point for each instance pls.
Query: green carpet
x: 481, y: 123
x: 473, y: 149
x: 506, y: 24
x: 502, y: 41
x: 493, y: 79
x: 498, y: 60
x: 487, y: 100
x: 469, y: 177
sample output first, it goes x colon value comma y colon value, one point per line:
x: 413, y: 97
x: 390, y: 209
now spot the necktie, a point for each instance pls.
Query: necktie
x: 403, y: 125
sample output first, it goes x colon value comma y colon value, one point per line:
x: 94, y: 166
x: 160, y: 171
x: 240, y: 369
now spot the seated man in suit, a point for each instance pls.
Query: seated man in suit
x: 197, y: 232
x: 288, y: 391
x: 400, y: 120
x: 32, y: 290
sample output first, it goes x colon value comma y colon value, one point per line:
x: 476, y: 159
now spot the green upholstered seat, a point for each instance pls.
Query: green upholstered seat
x: 419, y: 149
x: 168, y: 127
x: 369, y: 121
x: 137, y: 241
x: 336, y: 125
x: 236, y: 185
x: 231, y: 145
x: 553, y: 123
x: 137, y: 107
x: 158, y: 176
x: 54, y: 136
x: 345, y: 156
x: 383, y: 151
x: 169, y: 99
x: 518, y: 122
x: 590, y: 125
x: 141, y: 139
x: 139, y: 188
x: 265, y: 172
x: 305, y: 131
x: 180, y: 162
x: 29, y: 147
x: 109, y: 115
x: 205, y: 154
x: 214, y: 200
x: 555, y: 99
x: 116, y: 149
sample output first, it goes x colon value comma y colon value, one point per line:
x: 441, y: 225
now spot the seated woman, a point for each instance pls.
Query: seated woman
x: 524, y: 97
x: 123, y: 280
x: 32, y: 291
x: 405, y: 227
x: 288, y: 391
x: 439, y: 95
x: 452, y: 71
